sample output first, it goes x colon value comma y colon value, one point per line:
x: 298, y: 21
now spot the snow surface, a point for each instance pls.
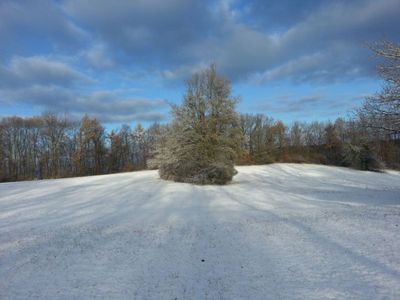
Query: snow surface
x: 282, y: 231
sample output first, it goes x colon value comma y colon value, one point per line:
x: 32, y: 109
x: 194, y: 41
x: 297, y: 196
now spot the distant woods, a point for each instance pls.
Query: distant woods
x: 206, y: 137
x: 51, y: 146
x: 348, y: 143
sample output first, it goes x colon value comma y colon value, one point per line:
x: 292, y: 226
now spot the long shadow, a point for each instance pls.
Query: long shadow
x: 330, y: 190
x: 171, y: 259
x: 323, y: 241
x: 184, y: 251
x: 181, y: 246
x: 81, y: 204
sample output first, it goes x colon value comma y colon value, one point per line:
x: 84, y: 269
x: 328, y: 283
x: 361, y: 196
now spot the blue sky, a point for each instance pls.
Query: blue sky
x: 123, y: 61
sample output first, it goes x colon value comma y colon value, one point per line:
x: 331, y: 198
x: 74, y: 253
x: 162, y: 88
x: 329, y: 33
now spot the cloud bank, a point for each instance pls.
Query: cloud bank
x: 72, y: 54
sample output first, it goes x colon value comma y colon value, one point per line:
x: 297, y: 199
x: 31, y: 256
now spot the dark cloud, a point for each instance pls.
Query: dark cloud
x: 321, y: 67
x: 155, y: 32
x: 278, y: 15
x: 48, y: 84
x: 256, y: 41
x: 306, y: 41
x: 105, y: 105
x: 31, y: 27
x: 327, y: 43
x: 244, y: 38
x: 26, y: 71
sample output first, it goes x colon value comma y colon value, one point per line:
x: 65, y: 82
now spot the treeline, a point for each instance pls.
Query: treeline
x: 53, y: 146
x: 348, y: 143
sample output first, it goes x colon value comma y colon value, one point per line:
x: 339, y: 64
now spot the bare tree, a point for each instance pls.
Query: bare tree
x: 90, y: 152
x: 382, y: 111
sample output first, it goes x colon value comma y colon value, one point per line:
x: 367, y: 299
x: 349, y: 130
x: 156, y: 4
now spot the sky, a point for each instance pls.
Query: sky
x: 124, y: 61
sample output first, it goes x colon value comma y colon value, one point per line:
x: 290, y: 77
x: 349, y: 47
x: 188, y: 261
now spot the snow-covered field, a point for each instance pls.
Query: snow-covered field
x: 282, y: 231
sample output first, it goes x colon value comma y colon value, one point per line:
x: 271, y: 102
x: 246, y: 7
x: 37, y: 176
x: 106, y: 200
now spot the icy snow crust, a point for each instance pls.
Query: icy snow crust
x: 282, y: 231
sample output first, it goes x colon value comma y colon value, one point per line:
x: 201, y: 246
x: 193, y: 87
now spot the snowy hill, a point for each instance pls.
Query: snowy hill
x: 279, y: 231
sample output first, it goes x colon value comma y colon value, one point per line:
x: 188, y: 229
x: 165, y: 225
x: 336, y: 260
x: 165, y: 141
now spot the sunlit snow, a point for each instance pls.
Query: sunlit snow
x: 282, y: 231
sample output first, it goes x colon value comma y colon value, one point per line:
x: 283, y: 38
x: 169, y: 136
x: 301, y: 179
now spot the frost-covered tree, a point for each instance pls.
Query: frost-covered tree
x: 204, y: 137
x: 382, y: 111
x: 140, y: 146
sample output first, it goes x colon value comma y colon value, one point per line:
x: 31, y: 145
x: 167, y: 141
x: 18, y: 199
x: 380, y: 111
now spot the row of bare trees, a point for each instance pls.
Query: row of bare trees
x: 51, y: 146
x: 343, y: 142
